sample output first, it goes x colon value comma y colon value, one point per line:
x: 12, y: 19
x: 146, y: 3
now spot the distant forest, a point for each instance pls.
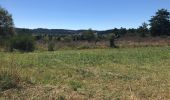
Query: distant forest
x: 42, y: 31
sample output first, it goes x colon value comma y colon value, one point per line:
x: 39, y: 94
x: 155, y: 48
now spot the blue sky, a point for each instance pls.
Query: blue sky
x: 82, y: 14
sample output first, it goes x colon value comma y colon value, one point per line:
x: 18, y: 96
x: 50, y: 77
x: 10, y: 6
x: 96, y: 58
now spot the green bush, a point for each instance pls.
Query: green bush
x: 51, y: 46
x: 112, y: 37
x: 88, y: 35
x: 24, y: 43
x: 67, y: 39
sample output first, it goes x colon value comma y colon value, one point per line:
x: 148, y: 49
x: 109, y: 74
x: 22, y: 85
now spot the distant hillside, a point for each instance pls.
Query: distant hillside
x: 39, y: 31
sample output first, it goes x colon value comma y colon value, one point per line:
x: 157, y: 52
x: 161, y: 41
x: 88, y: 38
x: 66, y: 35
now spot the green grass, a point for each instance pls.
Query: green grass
x: 125, y: 73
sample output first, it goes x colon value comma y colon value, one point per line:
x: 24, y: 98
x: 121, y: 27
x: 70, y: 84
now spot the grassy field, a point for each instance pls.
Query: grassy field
x: 95, y: 74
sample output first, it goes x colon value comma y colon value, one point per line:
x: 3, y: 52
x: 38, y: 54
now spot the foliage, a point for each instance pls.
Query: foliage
x: 88, y: 35
x: 45, y: 38
x: 51, y: 46
x: 67, y: 39
x: 112, y: 37
x: 160, y: 23
x: 143, y: 30
x: 50, y: 37
x: 24, y: 43
x: 121, y: 32
x: 75, y: 85
x: 6, y: 23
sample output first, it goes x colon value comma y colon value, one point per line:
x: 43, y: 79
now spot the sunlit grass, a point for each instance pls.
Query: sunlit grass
x: 125, y: 73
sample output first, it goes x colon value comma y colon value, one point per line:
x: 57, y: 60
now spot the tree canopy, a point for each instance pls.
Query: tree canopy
x: 6, y: 23
x: 88, y: 35
x: 143, y: 30
x: 160, y: 23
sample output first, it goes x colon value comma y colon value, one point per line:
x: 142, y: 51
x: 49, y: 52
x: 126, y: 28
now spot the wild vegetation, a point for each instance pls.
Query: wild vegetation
x: 85, y: 64
x: 126, y: 73
x: 26, y: 39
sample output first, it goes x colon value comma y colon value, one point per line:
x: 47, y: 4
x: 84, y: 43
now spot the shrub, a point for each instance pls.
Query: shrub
x: 51, y: 46
x: 4, y: 42
x: 67, y: 39
x: 88, y: 35
x: 112, y: 38
x: 112, y: 43
x: 23, y: 43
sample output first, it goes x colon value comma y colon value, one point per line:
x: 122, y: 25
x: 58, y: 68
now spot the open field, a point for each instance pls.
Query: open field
x: 95, y: 74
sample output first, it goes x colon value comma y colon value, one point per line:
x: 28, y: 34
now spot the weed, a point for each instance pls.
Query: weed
x: 9, y: 79
x: 75, y: 85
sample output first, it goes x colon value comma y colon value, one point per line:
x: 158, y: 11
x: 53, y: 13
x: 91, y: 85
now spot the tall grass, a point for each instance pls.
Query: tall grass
x: 11, y: 76
x: 123, y: 73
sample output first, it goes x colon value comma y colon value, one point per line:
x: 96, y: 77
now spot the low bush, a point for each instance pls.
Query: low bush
x: 51, y: 46
x: 24, y: 43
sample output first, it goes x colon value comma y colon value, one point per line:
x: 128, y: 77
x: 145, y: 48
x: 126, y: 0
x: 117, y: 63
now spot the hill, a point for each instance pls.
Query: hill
x: 55, y: 31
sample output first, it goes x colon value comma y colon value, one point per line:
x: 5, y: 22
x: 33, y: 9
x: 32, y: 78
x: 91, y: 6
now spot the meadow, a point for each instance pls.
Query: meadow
x: 90, y: 74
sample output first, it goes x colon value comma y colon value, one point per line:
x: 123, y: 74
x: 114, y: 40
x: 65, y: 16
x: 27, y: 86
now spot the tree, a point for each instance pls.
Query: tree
x: 88, y: 35
x: 160, y: 23
x: 6, y: 23
x: 143, y: 30
x: 122, y: 31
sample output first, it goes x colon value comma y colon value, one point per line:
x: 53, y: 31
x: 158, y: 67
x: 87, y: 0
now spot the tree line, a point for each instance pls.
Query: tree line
x: 24, y: 39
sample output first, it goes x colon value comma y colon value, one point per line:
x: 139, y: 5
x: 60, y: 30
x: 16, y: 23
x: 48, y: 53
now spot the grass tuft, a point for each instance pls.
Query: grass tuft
x: 9, y: 79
